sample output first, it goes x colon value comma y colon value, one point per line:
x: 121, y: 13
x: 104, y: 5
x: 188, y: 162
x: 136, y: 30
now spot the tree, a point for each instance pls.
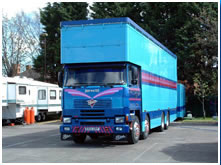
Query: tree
x: 50, y: 17
x: 201, y: 90
x: 20, y: 41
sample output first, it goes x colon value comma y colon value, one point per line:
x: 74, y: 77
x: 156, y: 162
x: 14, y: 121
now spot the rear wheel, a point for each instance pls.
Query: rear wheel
x: 145, y: 134
x: 134, y: 134
x: 38, y: 117
x: 43, y: 116
x: 167, y: 121
x: 161, y: 127
x: 79, y: 139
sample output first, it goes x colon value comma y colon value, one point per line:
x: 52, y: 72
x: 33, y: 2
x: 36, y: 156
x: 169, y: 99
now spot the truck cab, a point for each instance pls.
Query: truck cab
x: 100, y: 99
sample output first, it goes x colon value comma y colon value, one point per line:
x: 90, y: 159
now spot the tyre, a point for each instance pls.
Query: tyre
x: 134, y: 134
x: 38, y: 117
x: 166, y: 126
x: 161, y: 127
x: 145, y: 134
x: 43, y: 116
x: 79, y: 139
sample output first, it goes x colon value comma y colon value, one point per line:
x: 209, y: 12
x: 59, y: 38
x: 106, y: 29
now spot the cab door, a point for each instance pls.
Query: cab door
x: 134, y: 87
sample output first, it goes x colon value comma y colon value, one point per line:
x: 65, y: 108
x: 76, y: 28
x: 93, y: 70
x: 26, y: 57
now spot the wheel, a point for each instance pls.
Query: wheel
x: 43, y: 116
x: 161, y: 127
x: 79, y: 139
x: 134, y: 134
x: 38, y: 117
x: 166, y: 126
x: 145, y: 134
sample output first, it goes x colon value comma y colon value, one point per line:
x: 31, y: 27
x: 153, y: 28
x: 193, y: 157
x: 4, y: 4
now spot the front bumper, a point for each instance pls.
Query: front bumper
x: 111, y: 129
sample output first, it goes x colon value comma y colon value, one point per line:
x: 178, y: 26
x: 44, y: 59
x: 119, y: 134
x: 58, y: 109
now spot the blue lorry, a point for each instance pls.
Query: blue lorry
x: 117, y: 80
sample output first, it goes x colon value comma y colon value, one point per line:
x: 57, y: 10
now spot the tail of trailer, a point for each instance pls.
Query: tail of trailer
x: 181, y: 108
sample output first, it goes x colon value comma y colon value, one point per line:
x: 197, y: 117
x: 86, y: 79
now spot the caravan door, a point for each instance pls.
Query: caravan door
x: 42, y: 103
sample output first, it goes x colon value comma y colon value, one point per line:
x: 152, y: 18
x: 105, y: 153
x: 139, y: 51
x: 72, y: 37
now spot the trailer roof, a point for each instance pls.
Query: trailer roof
x: 116, y: 20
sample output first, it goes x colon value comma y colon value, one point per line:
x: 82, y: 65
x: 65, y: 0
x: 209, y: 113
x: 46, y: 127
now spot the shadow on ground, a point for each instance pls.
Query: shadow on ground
x: 194, y: 152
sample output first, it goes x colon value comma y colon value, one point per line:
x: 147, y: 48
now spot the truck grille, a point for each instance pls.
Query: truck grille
x: 100, y: 104
x: 92, y: 123
x: 90, y: 113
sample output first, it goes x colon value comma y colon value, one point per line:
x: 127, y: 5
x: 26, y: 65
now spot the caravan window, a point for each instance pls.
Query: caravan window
x: 52, y: 94
x: 22, y: 90
x: 42, y: 95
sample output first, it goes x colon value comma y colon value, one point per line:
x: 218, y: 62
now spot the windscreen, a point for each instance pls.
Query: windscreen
x: 94, y: 76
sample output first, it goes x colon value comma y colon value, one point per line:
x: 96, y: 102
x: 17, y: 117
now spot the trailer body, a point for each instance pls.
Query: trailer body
x: 143, y: 86
x: 19, y: 93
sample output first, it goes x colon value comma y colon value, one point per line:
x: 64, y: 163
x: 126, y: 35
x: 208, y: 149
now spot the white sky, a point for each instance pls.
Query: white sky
x: 10, y: 7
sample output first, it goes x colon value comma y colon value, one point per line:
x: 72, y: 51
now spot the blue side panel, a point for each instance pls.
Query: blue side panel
x: 142, y: 51
x: 155, y: 60
x: 95, y: 43
x: 181, y: 110
x: 114, y: 21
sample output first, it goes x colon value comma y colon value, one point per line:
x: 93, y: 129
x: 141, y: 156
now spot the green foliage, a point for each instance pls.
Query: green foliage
x: 50, y: 17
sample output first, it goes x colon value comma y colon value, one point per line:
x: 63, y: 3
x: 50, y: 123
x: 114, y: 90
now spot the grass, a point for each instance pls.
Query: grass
x: 200, y: 119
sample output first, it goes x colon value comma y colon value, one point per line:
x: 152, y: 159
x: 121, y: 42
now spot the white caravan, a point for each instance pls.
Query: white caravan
x: 19, y: 93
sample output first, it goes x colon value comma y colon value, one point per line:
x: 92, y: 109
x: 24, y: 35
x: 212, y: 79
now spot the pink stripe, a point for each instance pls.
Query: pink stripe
x: 134, y: 99
x: 76, y: 93
x: 107, y: 92
x: 165, y: 85
x: 158, y: 81
x: 134, y: 89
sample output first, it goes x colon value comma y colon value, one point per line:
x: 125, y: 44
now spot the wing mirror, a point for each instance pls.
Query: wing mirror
x: 60, y: 79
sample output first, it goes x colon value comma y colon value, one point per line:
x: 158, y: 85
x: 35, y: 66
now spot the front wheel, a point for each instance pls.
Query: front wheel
x: 145, y: 134
x: 79, y: 139
x: 134, y: 134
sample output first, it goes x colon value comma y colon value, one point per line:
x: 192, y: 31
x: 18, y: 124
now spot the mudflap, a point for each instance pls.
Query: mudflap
x: 66, y: 137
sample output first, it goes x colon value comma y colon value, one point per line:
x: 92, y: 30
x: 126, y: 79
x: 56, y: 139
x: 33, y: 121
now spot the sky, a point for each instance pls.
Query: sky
x: 12, y: 7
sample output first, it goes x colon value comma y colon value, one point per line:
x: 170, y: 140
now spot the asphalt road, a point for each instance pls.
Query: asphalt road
x: 40, y: 143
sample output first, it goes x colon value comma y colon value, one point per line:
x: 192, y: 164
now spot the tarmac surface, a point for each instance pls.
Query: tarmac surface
x: 40, y: 143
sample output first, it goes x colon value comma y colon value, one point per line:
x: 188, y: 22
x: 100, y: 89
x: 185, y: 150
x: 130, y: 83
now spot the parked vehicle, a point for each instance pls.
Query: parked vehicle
x: 118, y: 80
x: 181, y: 108
x: 19, y: 93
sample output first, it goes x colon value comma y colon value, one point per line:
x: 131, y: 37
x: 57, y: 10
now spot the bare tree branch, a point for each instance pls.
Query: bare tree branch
x: 20, y: 41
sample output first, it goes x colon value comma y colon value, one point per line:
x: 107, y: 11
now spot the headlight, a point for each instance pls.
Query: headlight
x: 66, y: 120
x: 119, y: 119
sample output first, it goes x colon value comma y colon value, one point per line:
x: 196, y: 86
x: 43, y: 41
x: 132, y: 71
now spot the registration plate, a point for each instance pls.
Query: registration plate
x: 92, y: 129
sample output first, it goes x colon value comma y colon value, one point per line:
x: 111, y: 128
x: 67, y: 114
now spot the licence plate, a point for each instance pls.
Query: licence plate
x: 92, y: 129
